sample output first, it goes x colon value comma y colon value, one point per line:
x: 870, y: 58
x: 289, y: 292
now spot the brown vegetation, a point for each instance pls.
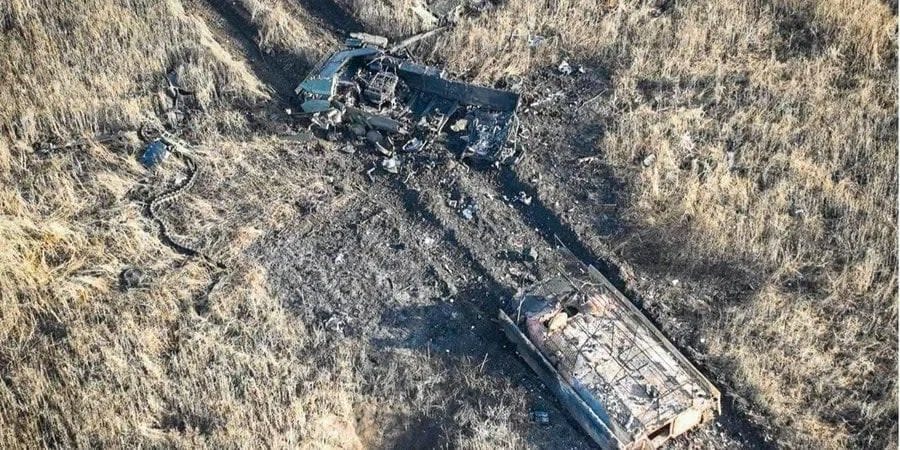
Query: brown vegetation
x: 287, y: 28
x: 391, y: 18
x: 774, y: 134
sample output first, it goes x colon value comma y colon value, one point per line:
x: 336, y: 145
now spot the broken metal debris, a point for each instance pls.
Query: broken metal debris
x: 182, y: 103
x: 459, y: 125
x: 181, y: 149
x: 530, y: 254
x: 567, y: 69
x: 160, y: 144
x: 413, y: 145
x: 548, y: 99
x: 468, y: 212
x: 391, y: 165
x: 614, y: 371
x: 540, y: 417
x: 130, y: 278
x: 369, y: 89
x: 488, y: 131
x: 155, y: 153
x: 523, y: 198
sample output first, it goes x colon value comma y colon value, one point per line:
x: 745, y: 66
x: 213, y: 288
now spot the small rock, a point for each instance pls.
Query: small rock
x: 413, y: 145
x: 530, y: 254
x: 649, y: 160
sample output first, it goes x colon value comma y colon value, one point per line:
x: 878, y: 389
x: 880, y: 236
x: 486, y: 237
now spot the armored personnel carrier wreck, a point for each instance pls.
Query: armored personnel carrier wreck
x: 624, y: 383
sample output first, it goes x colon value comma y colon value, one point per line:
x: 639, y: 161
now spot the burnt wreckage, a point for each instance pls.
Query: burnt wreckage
x: 624, y: 383
x: 400, y: 106
x: 621, y: 380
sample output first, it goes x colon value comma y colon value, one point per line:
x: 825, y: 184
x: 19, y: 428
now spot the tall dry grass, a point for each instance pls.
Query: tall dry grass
x: 284, y: 27
x: 392, y: 18
x: 773, y: 127
x: 86, y: 66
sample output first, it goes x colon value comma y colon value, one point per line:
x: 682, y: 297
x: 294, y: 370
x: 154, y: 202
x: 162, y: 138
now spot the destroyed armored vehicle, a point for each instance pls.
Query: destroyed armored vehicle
x: 624, y: 383
x: 402, y: 106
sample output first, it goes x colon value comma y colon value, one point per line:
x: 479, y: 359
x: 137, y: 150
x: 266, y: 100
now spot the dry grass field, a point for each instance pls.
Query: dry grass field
x: 773, y: 130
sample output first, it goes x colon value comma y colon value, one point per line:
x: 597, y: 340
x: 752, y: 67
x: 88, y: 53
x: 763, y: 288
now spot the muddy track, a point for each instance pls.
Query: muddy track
x: 480, y: 247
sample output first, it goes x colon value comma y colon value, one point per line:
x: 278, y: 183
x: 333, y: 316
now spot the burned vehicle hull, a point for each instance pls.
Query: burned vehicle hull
x: 408, y: 104
x: 618, y: 376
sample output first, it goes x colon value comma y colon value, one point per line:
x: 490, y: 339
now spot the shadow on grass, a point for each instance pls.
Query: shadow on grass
x: 332, y: 15
x: 280, y: 71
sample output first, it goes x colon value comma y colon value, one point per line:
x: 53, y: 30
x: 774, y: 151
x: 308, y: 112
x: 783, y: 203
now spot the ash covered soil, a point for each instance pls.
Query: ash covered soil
x: 394, y: 261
